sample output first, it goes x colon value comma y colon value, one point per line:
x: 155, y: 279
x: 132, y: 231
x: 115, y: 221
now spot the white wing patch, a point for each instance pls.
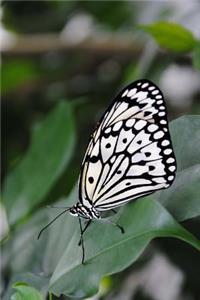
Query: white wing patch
x: 130, y: 154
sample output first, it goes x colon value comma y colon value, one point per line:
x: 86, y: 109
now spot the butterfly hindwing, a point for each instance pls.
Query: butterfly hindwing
x: 130, y: 154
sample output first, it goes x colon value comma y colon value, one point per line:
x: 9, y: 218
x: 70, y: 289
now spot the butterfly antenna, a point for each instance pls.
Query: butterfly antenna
x: 45, y: 227
x: 61, y: 207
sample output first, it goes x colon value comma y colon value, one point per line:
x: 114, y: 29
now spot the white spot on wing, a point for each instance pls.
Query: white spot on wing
x: 151, y: 88
x: 132, y: 92
x: 165, y: 143
x: 155, y: 92
x: 170, y: 160
x: 125, y: 93
x: 145, y: 85
x: 152, y: 127
x: 108, y: 130
x: 158, y: 135
x: 130, y: 123
x: 167, y: 151
x: 140, y: 124
x: 172, y: 168
x: 140, y: 96
x: 159, y: 180
x: 117, y: 126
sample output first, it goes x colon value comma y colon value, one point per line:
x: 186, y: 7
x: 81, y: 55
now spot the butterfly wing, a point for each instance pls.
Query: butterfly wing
x: 130, y: 153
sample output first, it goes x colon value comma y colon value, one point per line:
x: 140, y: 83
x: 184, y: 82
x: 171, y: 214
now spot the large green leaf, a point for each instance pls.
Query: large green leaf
x: 66, y: 224
x: 22, y: 251
x: 182, y: 198
x: 185, y: 132
x: 171, y: 36
x: 25, y: 292
x: 49, y: 152
x: 108, y: 251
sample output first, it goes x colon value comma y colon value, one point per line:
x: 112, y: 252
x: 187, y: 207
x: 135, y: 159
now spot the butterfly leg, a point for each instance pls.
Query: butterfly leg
x: 81, y: 238
x: 115, y: 224
x: 84, y: 229
x: 82, y: 243
x: 120, y: 227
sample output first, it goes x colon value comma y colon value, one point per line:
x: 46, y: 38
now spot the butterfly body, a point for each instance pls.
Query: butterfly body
x: 85, y: 212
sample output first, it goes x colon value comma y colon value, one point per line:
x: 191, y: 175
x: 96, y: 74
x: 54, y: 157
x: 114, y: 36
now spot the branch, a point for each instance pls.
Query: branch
x: 42, y: 43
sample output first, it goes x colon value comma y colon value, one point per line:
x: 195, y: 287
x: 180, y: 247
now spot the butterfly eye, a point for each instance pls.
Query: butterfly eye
x: 73, y: 211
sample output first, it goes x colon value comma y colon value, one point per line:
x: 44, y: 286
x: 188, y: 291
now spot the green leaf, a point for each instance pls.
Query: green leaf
x: 25, y: 292
x: 185, y: 133
x: 23, y: 251
x: 17, y: 72
x: 48, y: 155
x: 196, y: 56
x: 52, y: 251
x: 112, y: 251
x: 182, y: 198
x: 171, y: 36
x: 38, y: 282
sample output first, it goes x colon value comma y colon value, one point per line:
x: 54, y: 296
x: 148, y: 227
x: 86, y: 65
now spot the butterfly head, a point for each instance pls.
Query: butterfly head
x: 80, y: 210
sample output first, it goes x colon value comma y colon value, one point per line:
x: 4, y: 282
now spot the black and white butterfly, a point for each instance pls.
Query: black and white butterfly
x: 130, y: 154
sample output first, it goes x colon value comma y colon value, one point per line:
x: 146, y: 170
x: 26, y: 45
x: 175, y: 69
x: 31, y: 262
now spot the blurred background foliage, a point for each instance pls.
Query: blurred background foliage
x: 62, y: 63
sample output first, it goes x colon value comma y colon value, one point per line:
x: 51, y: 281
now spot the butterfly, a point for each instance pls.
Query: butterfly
x: 130, y: 155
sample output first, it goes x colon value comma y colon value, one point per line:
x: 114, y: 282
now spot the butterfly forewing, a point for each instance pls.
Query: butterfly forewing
x: 130, y: 154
